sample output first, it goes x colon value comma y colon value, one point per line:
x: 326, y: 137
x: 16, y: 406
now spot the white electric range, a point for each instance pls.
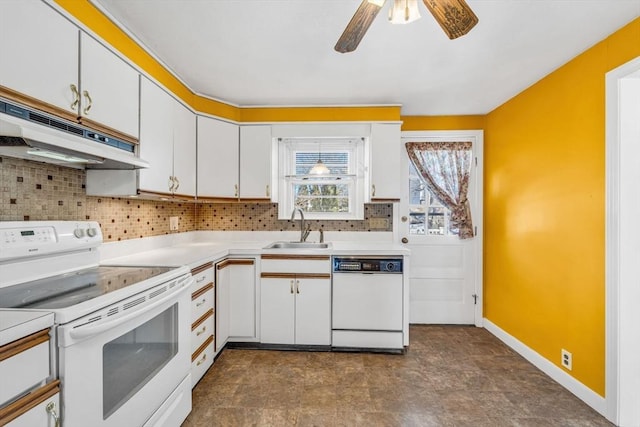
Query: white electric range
x: 121, y: 336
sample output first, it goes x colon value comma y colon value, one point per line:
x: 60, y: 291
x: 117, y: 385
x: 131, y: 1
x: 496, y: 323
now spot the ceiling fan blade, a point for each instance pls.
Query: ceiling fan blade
x: 358, y: 26
x: 454, y: 16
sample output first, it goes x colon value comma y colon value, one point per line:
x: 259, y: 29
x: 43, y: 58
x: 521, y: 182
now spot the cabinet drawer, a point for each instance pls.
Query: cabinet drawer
x: 37, y: 409
x: 296, y: 264
x: 201, y: 302
x: 202, y: 360
x: 202, y: 276
x: 201, y: 330
x: 31, y: 351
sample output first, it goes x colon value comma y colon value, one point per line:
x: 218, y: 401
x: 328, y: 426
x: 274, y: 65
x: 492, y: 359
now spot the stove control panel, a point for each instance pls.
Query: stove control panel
x: 32, y: 238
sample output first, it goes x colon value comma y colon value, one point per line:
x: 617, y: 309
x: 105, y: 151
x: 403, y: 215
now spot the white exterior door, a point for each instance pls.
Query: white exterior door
x: 445, y: 274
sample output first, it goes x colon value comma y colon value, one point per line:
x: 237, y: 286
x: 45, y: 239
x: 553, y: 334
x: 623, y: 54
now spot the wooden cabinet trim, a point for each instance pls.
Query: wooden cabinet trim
x: 295, y: 275
x: 294, y: 257
x: 234, y: 261
x: 201, y: 291
x: 23, y: 344
x: 202, y: 319
x: 28, y: 402
x: 200, y: 349
x: 201, y: 268
x: 36, y: 104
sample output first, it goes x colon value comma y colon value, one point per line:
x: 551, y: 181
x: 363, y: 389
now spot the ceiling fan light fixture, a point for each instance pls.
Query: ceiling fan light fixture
x: 404, y: 11
x: 379, y: 3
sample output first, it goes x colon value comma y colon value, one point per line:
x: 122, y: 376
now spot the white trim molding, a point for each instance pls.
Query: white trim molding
x: 581, y: 391
x: 622, y: 372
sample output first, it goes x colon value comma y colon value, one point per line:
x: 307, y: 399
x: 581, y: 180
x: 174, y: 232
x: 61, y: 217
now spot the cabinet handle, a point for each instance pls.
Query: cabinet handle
x: 88, y: 107
x: 201, y: 331
x: 267, y: 191
x: 235, y: 187
x: 291, y: 286
x: 297, y: 286
x: 373, y: 190
x: 201, y: 361
x: 177, y: 181
x: 76, y: 97
x: 198, y: 304
x: 201, y: 279
x: 51, y: 410
x: 171, y: 183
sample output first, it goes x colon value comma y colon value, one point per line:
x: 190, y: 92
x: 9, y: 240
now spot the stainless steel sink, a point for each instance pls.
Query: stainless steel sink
x: 298, y: 245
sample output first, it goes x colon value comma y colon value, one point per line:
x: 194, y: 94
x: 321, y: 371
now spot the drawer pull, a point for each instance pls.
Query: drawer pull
x: 201, y: 279
x: 201, y: 331
x: 51, y: 410
x: 201, y: 361
x: 198, y: 304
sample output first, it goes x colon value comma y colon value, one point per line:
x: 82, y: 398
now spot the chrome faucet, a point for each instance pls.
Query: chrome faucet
x: 303, y: 232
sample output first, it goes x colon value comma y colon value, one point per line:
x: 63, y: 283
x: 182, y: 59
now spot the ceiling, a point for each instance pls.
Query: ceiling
x: 280, y: 52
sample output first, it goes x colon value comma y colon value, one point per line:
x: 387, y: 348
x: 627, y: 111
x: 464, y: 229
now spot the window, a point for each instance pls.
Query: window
x: 427, y: 215
x: 334, y: 195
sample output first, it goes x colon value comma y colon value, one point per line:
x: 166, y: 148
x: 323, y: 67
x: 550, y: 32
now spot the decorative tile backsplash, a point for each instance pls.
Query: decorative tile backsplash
x: 39, y: 191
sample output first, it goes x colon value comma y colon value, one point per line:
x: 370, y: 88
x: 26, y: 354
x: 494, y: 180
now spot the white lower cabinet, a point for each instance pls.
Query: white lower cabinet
x: 235, y: 302
x: 295, y: 304
x: 44, y: 411
x: 202, y: 321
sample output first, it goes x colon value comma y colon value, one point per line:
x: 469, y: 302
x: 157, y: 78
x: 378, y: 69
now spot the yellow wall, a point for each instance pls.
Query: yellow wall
x: 443, y: 122
x: 544, y: 210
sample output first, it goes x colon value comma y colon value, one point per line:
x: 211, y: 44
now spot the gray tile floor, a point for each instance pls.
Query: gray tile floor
x: 450, y: 376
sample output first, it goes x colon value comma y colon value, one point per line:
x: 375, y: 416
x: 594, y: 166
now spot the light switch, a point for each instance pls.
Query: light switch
x: 173, y: 223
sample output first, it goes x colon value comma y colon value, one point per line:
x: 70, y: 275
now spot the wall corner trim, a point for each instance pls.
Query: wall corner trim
x: 590, y: 397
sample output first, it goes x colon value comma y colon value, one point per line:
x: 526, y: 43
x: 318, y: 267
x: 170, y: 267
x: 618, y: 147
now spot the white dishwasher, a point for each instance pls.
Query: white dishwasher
x: 367, y: 303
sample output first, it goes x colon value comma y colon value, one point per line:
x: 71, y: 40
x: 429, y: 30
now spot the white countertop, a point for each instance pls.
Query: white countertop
x: 16, y: 324
x: 194, y: 249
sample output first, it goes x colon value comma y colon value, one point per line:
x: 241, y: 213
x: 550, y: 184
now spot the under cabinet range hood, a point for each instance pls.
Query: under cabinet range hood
x: 33, y: 135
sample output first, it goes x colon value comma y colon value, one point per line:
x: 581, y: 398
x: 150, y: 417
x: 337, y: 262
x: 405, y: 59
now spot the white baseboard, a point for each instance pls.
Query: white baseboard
x: 584, y: 393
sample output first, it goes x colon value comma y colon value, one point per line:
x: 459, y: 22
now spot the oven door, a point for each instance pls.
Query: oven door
x: 120, y: 364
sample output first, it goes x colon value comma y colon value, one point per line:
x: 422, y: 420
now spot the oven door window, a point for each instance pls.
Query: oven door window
x: 132, y: 359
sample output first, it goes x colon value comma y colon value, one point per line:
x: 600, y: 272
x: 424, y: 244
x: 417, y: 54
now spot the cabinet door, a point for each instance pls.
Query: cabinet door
x: 217, y: 158
x: 277, y: 311
x: 386, y: 155
x: 255, y: 162
x: 313, y: 311
x: 109, y: 88
x: 242, y: 309
x: 184, y: 149
x: 156, y: 137
x: 222, y: 307
x: 38, y: 52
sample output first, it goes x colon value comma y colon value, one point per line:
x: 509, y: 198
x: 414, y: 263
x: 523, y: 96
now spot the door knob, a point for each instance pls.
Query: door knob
x: 405, y: 240
x: 403, y: 219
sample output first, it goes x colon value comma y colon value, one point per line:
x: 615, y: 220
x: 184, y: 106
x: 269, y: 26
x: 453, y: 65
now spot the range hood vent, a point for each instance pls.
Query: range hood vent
x: 32, y: 135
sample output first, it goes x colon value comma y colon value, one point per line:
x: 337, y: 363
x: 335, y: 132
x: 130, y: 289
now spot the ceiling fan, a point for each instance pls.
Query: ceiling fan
x: 454, y: 16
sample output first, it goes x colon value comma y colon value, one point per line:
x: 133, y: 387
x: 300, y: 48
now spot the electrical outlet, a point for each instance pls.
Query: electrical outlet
x: 379, y: 223
x: 173, y: 223
x: 566, y: 359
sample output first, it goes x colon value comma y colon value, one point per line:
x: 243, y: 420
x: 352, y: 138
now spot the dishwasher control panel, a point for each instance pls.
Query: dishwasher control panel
x: 367, y: 265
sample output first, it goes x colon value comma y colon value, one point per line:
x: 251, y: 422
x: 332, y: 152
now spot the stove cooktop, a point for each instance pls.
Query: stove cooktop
x: 68, y: 289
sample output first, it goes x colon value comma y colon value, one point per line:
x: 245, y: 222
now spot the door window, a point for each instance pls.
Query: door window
x: 427, y: 215
x: 133, y: 359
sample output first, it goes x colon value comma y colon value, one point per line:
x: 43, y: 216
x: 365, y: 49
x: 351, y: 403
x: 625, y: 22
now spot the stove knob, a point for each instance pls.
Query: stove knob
x: 79, y: 233
x: 92, y: 232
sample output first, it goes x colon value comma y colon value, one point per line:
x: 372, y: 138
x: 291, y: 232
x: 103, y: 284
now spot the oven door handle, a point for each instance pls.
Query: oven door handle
x: 96, y: 328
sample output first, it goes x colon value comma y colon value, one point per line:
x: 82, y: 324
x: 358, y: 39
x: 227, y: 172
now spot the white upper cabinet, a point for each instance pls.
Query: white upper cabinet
x: 255, y: 162
x: 65, y: 71
x: 184, y: 150
x: 38, y: 53
x: 167, y: 142
x: 109, y: 88
x: 386, y: 155
x: 218, y: 159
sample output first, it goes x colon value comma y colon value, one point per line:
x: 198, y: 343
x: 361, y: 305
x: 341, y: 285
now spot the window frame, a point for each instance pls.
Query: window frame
x: 357, y: 148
